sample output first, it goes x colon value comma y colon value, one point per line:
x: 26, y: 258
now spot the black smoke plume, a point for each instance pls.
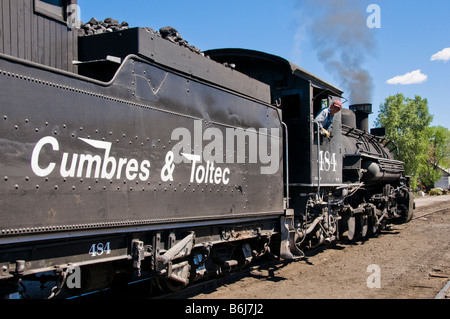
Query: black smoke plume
x: 342, y: 39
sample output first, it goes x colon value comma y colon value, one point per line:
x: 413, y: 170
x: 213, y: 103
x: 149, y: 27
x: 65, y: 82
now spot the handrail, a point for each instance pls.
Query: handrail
x: 287, y: 164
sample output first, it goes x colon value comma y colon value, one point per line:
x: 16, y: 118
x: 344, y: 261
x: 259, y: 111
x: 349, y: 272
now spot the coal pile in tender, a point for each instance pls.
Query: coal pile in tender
x: 97, y: 27
x: 172, y: 35
x: 110, y: 25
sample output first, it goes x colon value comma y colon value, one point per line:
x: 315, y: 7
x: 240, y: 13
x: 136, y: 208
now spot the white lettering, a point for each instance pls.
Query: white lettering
x: 218, y: 175
x: 132, y: 168
x: 42, y: 172
x: 90, y: 162
x: 122, y: 162
x: 145, y: 171
x: 225, y: 179
x: 208, y: 174
x: 71, y: 172
x: 109, y: 161
x: 327, y: 161
x: 194, y: 159
x: 89, y: 165
x: 199, y: 177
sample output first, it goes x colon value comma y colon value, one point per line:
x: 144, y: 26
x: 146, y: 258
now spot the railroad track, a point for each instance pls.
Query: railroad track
x: 431, y: 209
x: 444, y: 293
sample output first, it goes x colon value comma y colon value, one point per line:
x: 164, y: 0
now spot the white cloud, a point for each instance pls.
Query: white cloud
x: 413, y: 77
x: 443, y: 55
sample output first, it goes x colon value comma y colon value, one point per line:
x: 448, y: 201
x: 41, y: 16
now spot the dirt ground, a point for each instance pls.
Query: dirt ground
x: 408, y: 261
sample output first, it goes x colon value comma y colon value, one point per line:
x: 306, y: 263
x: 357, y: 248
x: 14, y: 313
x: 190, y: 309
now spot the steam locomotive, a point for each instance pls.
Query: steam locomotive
x: 125, y: 154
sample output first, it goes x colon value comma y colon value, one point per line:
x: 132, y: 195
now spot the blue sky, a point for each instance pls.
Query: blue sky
x: 400, y: 51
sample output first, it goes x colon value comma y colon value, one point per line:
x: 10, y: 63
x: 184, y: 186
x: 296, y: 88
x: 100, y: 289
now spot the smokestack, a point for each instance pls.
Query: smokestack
x: 362, y: 112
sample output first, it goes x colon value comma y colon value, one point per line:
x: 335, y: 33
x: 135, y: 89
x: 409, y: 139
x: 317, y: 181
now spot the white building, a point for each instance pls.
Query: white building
x: 444, y: 182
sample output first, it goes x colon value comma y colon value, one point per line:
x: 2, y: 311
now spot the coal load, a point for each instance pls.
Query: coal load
x: 97, y: 27
x: 172, y: 35
x: 110, y: 25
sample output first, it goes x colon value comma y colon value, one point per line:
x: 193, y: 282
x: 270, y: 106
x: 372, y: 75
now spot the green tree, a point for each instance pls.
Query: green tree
x: 407, y: 123
x: 438, y: 155
x: 447, y: 148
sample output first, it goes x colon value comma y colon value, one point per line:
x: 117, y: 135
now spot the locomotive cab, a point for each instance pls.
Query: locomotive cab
x: 314, y: 160
x: 327, y: 169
